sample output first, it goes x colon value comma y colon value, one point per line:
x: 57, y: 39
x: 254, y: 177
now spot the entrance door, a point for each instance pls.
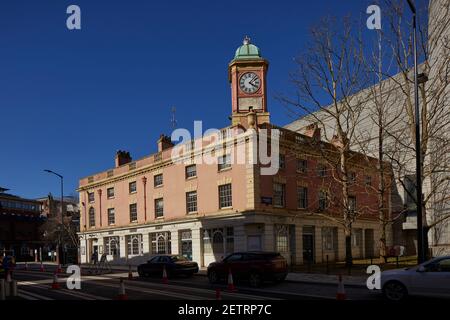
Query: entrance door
x: 308, y: 248
x: 368, y: 243
x: 186, y: 244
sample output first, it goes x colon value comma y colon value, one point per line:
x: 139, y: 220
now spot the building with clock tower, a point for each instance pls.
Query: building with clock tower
x: 165, y: 203
x: 247, y: 73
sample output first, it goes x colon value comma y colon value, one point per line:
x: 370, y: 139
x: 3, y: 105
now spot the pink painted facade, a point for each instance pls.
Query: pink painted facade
x: 119, y: 216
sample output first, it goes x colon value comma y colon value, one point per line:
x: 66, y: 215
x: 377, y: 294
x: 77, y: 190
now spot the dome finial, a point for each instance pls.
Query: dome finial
x: 246, y: 40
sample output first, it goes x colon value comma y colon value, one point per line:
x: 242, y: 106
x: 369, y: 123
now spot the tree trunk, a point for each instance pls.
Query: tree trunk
x: 348, y: 246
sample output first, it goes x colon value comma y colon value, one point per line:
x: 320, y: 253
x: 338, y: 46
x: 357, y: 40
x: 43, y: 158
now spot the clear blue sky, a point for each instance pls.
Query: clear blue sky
x: 70, y: 99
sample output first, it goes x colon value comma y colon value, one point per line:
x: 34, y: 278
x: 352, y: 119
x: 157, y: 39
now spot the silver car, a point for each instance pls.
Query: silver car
x: 431, y: 279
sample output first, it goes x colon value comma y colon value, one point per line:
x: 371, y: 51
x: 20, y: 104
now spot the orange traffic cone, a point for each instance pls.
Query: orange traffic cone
x: 164, y: 275
x: 218, y: 294
x: 42, y: 267
x: 122, y: 294
x: 59, y: 270
x: 55, y: 284
x: 130, y: 274
x: 231, y: 286
x: 340, y: 295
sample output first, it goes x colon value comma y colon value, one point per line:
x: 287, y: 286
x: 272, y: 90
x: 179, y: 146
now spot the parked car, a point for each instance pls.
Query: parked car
x: 255, y: 266
x: 431, y: 278
x: 174, y: 264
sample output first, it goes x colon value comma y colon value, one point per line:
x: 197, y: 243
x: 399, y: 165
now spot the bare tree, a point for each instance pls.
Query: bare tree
x: 326, y: 79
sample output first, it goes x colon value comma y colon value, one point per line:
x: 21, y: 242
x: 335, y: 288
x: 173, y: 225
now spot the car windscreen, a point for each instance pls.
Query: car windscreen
x: 178, y: 258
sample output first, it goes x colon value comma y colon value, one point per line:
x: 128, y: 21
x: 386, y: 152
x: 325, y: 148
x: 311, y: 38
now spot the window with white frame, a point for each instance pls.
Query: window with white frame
x: 191, y: 201
x: 91, y: 217
x: 302, y: 197
x: 357, y: 237
x: 279, y: 194
x: 158, y: 180
x: 132, y: 187
x: 159, y: 207
x: 160, y: 243
x: 224, y: 162
x: 281, y: 238
x: 134, y: 244
x: 218, y: 240
x: 111, y: 216
x: 352, y: 204
x: 112, y: 246
x: 328, y: 238
x: 323, y: 200
x: 191, y: 171
x: 225, y: 196
x: 110, y: 193
x: 133, y: 212
x: 282, y: 161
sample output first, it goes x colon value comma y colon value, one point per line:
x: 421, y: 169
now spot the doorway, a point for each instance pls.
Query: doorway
x: 369, y: 243
x: 308, y: 244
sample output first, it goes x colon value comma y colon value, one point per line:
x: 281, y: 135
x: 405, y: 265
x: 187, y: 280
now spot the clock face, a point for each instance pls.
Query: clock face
x: 249, y: 82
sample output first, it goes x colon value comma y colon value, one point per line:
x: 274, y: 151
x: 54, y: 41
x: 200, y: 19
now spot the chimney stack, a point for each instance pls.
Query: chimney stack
x: 164, y: 143
x: 313, y: 131
x: 122, y: 157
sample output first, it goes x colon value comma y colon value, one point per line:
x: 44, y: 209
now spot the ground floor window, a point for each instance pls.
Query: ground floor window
x: 218, y: 241
x: 112, y: 246
x: 134, y: 244
x: 329, y: 238
x: 357, y: 237
x: 186, y: 243
x: 160, y: 243
x: 281, y: 238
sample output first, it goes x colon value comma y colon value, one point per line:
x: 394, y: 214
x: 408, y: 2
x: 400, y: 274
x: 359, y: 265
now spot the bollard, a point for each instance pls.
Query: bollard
x: 13, y: 288
x: 2, y: 289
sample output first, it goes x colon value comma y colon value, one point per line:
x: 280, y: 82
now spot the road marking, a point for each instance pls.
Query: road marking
x: 74, y: 293
x: 34, y: 295
x: 153, y: 291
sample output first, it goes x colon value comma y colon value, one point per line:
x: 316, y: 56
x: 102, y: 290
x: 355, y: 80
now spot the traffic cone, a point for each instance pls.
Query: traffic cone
x: 218, y: 294
x: 122, y: 294
x: 130, y: 274
x: 42, y: 267
x: 231, y: 286
x: 340, y: 295
x: 164, y: 275
x: 59, y: 270
x: 55, y: 284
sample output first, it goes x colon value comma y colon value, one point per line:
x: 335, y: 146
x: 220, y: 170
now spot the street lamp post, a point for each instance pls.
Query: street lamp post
x: 419, y: 200
x: 61, y: 239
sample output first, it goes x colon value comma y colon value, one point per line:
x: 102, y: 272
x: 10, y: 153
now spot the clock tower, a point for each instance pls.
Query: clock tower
x: 247, y: 75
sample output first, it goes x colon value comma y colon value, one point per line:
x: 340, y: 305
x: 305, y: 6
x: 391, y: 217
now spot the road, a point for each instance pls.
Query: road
x: 34, y: 284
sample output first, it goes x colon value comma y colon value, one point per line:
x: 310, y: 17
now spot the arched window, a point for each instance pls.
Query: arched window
x: 218, y: 242
x: 91, y: 217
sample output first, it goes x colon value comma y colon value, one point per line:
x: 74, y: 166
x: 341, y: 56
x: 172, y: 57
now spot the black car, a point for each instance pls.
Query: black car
x: 174, y: 264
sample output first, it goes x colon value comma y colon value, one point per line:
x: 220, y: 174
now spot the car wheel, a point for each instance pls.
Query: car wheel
x: 213, y: 276
x: 395, y: 291
x: 255, y: 279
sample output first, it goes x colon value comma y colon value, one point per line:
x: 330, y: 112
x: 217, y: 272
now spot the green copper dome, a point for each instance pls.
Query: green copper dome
x: 247, y: 50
